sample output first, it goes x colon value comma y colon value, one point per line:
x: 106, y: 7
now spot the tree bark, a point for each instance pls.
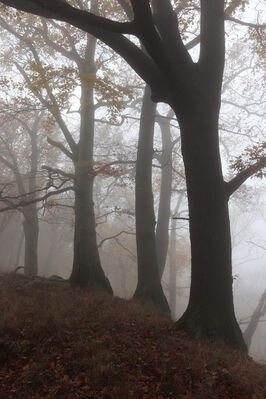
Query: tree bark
x: 172, y: 259
x: 149, y: 286
x: 87, y: 269
x: 51, y: 253
x: 162, y: 235
x: 31, y: 231
x: 19, y: 250
x: 210, y: 312
x: 30, y: 213
x: 172, y: 269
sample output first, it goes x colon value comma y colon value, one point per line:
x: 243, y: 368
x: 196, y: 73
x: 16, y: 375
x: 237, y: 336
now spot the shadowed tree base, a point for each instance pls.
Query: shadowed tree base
x: 152, y: 298
x: 225, y: 332
x: 98, y: 282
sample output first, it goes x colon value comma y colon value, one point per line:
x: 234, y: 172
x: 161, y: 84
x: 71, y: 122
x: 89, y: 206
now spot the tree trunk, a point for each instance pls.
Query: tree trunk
x: 162, y: 235
x: 10, y: 257
x: 210, y: 312
x: 31, y: 231
x: 172, y: 269
x: 19, y: 250
x: 172, y: 259
x: 51, y: 253
x: 255, y: 318
x: 30, y: 213
x: 149, y: 286
x: 87, y: 270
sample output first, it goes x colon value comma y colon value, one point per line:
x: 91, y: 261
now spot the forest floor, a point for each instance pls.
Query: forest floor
x: 61, y: 342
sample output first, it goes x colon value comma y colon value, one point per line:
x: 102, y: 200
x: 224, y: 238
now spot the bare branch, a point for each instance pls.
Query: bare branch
x: 24, y: 204
x: 61, y: 146
x: 249, y: 24
x: 58, y: 171
x: 114, y: 236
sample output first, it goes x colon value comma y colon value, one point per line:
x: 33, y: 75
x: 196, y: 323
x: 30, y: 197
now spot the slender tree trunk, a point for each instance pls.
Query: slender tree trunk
x: 51, y: 253
x: 30, y: 213
x: 123, y: 280
x: 5, y: 220
x: 87, y: 269
x: 149, y: 286
x: 172, y: 259
x: 31, y: 232
x: 253, y: 324
x: 162, y: 235
x: 172, y: 269
x: 10, y: 257
x: 19, y: 250
x: 210, y: 312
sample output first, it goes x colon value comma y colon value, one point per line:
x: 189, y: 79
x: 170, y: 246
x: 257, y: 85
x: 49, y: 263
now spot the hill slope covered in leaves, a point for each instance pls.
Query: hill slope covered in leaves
x: 60, y: 342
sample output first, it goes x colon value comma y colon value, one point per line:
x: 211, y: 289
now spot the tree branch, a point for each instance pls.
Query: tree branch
x: 242, y: 176
x: 167, y: 24
x: 249, y: 24
x: 114, y: 236
x: 58, y: 171
x: 61, y: 146
x: 110, y: 32
x: 63, y: 11
x: 212, y: 44
x: 23, y: 204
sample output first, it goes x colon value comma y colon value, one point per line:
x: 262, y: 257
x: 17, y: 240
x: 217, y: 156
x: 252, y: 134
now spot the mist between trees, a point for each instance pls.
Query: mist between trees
x: 117, y: 119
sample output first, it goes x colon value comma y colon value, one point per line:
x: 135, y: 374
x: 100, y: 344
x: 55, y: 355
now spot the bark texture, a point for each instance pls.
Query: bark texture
x: 210, y: 312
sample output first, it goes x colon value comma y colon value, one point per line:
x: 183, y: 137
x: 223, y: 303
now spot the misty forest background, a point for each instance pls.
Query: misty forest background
x: 59, y: 83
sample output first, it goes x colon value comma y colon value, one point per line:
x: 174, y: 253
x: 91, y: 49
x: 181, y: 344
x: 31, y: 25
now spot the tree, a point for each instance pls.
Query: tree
x: 149, y: 282
x: 255, y: 318
x: 27, y: 187
x: 193, y: 90
x: 87, y: 268
x: 164, y: 211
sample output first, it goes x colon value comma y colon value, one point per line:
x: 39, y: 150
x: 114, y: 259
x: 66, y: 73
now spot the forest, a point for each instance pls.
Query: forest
x: 132, y: 199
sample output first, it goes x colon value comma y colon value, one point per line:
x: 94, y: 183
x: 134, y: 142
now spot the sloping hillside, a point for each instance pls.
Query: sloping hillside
x: 60, y: 342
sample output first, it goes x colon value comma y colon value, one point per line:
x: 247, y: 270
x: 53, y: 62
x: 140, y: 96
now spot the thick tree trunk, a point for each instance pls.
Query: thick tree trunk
x: 210, y: 312
x: 87, y: 270
x: 31, y: 231
x: 162, y: 235
x: 149, y: 286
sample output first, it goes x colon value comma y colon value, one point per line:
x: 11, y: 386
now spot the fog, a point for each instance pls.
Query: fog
x: 53, y: 107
